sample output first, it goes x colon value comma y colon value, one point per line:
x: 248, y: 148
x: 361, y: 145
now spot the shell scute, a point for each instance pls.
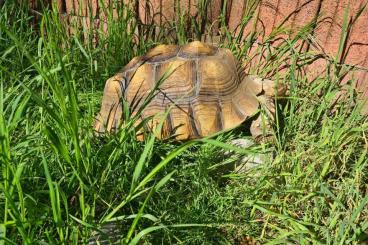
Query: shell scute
x: 139, y: 83
x: 217, y: 77
x: 208, y: 116
x: 232, y: 116
x: 183, y: 123
x: 132, y: 63
x: 245, y: 101
x: 180, y: 78
x: 161, y: 52
x: 197, y: 48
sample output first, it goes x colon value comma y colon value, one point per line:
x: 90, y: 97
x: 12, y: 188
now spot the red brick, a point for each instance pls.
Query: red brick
x: 237, y: 9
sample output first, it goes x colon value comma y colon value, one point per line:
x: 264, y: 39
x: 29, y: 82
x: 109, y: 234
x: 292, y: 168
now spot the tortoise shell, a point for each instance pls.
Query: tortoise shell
x: 198, y: 84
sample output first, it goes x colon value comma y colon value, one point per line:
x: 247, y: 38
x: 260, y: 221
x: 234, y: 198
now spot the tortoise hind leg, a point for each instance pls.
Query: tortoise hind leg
x: 110, y: 114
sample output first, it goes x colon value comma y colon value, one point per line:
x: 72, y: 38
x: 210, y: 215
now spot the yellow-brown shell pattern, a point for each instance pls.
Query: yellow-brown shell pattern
x: 201, y: 89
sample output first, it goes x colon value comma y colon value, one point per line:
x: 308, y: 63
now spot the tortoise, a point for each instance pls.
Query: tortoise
x: 199, y: 85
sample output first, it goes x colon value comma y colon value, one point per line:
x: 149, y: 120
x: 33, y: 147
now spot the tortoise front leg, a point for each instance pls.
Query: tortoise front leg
x: 110, y: 114
x: 261, y: 127
x: 266, y: 91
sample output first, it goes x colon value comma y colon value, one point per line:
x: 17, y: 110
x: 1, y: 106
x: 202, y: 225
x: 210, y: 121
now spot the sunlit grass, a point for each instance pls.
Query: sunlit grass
x: 61, y: 184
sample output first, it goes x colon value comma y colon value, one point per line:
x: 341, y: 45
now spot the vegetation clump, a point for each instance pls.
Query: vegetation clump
x: 61, y: 184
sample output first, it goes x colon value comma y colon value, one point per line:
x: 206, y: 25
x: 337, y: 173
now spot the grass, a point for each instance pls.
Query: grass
x: 61, y: 184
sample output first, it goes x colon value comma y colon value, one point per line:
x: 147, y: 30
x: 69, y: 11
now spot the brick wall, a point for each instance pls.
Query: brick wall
x: 329, y: 14
x: 272, y: 13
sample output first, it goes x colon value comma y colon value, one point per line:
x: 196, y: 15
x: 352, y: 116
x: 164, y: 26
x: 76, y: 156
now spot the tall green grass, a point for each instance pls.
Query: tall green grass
x: 62, y: 184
